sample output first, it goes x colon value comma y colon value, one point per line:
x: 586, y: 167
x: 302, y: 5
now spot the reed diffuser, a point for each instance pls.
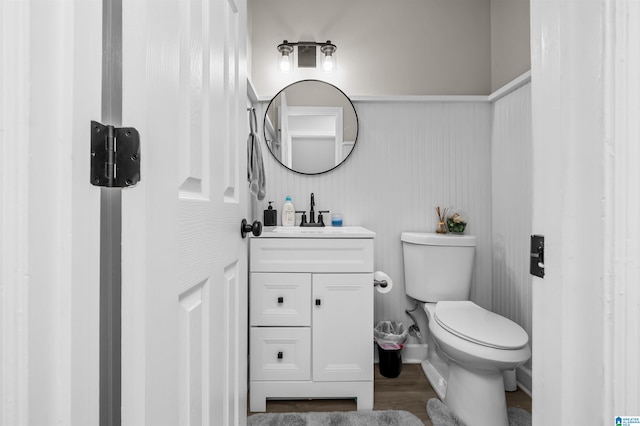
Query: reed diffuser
x: 442, y: 214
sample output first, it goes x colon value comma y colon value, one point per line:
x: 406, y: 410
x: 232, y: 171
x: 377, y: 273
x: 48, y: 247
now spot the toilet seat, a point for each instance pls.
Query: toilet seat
x: 471, y: 322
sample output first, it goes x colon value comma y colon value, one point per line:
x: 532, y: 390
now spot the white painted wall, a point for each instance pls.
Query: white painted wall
x: 410, y: 157
x: 511, y: 182
x: 430, y: 47
x: 510, y: 39
x: 413, y: 47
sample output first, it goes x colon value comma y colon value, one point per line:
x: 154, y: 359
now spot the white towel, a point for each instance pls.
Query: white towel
x: 255, y: 166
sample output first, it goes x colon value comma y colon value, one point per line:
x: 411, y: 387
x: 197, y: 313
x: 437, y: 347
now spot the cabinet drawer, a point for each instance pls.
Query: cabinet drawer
x: 311, y: 255
x: 280, y: 299
x: 279, y: 353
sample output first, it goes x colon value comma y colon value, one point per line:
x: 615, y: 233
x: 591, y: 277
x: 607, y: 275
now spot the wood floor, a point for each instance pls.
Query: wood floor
x: 410, y: 392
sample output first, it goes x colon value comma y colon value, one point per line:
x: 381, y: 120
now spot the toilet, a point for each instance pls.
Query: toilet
x: 468, y: 347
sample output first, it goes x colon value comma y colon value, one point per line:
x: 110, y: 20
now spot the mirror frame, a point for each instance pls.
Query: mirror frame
x: 264, y: 127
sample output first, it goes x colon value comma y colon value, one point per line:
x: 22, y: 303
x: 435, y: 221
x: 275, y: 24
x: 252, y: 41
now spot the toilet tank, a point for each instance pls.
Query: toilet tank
x: 436, y: 266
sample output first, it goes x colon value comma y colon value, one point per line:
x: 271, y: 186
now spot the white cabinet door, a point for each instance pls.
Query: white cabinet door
x: 342, y: 327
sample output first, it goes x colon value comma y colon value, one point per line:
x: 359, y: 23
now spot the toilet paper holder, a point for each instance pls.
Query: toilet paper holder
x: 381, y: 283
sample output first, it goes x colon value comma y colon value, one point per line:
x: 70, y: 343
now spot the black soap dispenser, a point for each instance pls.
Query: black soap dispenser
x: 270, y: 216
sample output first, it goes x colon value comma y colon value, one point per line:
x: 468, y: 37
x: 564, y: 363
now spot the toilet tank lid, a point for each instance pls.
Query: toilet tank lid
x: 433, y: 239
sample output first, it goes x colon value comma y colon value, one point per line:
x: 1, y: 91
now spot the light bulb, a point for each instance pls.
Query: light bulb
x: 285, y: 65
x: 327, y: 63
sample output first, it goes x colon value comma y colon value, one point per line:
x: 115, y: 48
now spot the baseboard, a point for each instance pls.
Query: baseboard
x: 411, y: 354
x: 414, y: 353
x: 523, y: 378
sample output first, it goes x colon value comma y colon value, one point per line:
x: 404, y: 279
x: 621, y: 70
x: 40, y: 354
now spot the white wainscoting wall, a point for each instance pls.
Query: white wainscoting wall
x: 411, y: 156
x: 511, y: 159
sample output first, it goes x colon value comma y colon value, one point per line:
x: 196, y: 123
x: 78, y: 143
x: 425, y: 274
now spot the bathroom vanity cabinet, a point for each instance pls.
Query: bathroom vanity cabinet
x: 311, y: 316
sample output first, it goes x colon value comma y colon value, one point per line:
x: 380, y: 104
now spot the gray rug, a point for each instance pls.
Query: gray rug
x: 441, y: 416
x: 336, y: 418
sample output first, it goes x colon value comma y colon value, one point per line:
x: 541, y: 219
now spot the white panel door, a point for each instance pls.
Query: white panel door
x: 342, y: 327
x: 184, y: 261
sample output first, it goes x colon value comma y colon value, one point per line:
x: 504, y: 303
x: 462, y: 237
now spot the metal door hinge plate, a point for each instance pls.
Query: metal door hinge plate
x: 115, y: 156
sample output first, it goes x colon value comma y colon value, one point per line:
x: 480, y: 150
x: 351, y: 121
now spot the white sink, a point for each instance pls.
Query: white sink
x: 313, y: 232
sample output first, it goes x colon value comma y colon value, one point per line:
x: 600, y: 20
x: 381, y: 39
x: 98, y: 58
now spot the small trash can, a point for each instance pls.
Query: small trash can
x: 390, y: 359
x: 390, y: 337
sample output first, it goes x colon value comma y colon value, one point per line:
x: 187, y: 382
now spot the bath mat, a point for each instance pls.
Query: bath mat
x: 336, y: 418
x: 441, y: 416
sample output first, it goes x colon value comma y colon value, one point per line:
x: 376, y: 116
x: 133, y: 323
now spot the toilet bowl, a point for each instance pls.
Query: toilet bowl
x: 478, y: 345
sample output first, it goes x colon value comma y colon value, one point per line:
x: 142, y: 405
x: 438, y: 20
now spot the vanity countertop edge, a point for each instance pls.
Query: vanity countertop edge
x: 316, y: 232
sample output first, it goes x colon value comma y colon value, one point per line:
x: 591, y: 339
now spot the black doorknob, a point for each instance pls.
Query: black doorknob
x: 255, y: 228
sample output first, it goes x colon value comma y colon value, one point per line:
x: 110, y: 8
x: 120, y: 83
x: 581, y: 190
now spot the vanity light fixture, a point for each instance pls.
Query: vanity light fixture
x: 306, y: 54
x: 327, y: 50
x: 286, y: 59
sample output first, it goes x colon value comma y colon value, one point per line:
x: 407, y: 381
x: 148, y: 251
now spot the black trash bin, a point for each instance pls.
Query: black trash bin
x: 390, y: 337
x: 390, y: 360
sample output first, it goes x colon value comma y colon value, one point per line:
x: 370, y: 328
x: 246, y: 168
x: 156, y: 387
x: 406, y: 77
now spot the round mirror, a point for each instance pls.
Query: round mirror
x: 311, y: 127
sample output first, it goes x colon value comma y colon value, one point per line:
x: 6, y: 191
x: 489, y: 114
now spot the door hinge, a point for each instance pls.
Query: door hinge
x: 115, y: 156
